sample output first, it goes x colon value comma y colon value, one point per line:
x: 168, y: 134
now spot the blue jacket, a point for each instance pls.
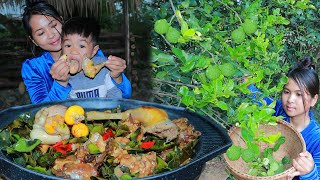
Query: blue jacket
x: 43, y: 88
x: 311, y: 135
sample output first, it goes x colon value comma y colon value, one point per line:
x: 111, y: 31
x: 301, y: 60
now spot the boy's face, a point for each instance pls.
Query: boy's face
x: 75, y: 47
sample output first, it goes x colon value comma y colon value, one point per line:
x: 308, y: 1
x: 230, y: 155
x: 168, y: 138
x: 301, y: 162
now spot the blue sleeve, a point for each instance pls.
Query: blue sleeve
x: 255, y: 93
x: 40, y: 85
x: 311, y: 136
x: 311, y: 175
x: 124, y: 86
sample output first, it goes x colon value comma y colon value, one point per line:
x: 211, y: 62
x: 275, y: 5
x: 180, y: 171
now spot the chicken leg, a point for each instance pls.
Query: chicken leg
x: 89, y: 68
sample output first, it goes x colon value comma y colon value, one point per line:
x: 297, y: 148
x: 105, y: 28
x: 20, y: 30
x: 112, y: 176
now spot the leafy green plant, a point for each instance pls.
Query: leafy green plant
x: 202, y: 49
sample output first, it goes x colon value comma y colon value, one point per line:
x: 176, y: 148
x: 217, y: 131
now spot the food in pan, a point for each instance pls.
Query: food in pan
x: 71, y: 143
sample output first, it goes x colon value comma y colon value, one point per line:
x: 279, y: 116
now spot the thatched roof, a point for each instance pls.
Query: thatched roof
x: 68, y: 8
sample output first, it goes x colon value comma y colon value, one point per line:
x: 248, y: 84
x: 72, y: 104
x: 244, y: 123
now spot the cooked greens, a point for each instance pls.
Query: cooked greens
x: 118, y: 149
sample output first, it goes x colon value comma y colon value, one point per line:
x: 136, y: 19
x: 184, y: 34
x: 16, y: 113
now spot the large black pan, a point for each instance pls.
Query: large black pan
x: 213, y: 142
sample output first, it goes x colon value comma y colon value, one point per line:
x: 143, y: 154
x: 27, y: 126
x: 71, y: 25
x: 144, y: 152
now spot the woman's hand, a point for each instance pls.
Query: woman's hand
x: 116, y: 66
x: 302, y: 164
x: 60, y: 71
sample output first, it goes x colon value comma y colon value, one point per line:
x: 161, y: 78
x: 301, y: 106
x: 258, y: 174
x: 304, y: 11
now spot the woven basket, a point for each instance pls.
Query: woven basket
x: 293, y: 145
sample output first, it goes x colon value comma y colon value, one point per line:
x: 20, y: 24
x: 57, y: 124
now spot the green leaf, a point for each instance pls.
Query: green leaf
x: 163, y: 58
x: 189, y: 33
x: 207, y: 8
x: 183, y: 90
x: 181, y: 54
x: 222, y: 105
x: 203, y: 62
x: 247, y: 136
x: 161, y: 26
x: 161, y: 74
x: 4, y: 138
x: 172, y: 35
x: 93, y: 148
x: 161, y: 165
x: 185, y: 4
x: 207, y: 45
x: 24, y: 145
x: 184, y: 27
x: 202, y: 77
x: 271, y: 139
x: 188, y: 66
x: 39, y: 169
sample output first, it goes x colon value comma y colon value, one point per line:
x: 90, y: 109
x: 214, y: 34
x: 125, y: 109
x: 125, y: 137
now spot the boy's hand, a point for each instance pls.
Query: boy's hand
x: 60, y: 71
x: 302, y: 164
x: 116, y: 66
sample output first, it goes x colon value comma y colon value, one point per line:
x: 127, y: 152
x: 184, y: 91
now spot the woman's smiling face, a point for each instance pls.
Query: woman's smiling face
x: 46, y: 32
x: 293, y: 102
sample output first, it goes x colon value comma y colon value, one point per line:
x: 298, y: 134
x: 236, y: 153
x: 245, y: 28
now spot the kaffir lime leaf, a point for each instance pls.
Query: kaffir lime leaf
x: 172, y: 35
x: 213, y: 72
x: 233, y: 152
x: 238, y: 35
x: 247, y: 155
x: 249, y: 26
x: 227, y: 69
x: 161, y: 26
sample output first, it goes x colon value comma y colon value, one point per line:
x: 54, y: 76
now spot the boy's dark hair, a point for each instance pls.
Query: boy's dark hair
x: 84, y: 26
x: 38, y: 8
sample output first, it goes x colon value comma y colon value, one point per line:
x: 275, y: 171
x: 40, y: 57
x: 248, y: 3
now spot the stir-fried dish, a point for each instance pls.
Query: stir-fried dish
x: 71, y: 143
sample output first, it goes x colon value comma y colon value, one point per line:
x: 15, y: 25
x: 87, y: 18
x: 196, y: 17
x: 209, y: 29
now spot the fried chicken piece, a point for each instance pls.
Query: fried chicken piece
x: 144, y: 165
x: 89, y: 68
x: 154, y: 120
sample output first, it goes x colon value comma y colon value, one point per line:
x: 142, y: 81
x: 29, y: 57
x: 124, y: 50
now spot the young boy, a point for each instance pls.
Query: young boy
x: 79, y: 38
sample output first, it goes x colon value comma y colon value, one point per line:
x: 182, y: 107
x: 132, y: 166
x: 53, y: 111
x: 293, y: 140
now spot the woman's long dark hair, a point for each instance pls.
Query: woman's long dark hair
x: 305, y: 75
x: 38, y: 8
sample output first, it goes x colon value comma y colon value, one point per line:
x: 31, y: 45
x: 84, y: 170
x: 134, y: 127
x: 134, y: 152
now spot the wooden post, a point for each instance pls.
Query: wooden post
x: 127, y: 38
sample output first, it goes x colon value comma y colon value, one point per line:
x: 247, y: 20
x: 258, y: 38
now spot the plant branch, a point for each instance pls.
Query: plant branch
x: 175, y: 83
x: 164, y: 94
x: 228, y: 7
x: 214, y: 119
x: 171, y: 46
x: 174, y: 11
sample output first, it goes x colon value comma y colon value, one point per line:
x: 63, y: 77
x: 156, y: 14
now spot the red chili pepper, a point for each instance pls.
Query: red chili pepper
x: 147, y: 144
x: 61, y: 147
x: 107, y: 134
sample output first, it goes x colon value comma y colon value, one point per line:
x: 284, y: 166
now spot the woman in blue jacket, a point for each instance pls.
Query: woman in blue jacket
x: 299, y: 95
x: 45, y: 77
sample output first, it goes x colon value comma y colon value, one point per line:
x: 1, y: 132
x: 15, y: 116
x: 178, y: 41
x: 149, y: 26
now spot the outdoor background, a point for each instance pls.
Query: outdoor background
x: 189, y: 53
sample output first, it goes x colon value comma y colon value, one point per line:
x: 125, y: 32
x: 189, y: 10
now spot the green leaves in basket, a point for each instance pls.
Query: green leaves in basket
x: 266, y: 165
x: 280, y: 141
x: 271, y: 139
x: 234, y: 152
